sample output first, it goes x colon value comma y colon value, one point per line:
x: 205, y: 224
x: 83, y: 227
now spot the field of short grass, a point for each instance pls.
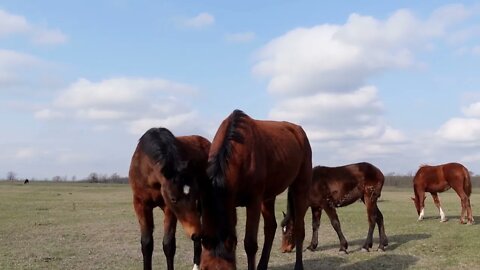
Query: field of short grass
x: 47, y: 225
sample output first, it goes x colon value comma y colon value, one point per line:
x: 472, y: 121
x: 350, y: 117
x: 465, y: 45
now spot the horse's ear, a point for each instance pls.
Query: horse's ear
x: 284, y: 215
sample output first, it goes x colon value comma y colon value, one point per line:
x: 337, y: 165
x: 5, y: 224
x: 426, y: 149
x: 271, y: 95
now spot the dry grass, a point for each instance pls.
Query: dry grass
x: 92, y: 226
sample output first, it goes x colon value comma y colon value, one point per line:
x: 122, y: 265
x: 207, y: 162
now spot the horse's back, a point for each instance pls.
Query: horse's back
x: 440, y: 177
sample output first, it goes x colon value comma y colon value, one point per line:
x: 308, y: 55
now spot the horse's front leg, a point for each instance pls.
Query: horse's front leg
x: 332, y: 215
x: 197, y: 252
x: 270, y: 226
x: 145, y: 218
x: 436, y: 200
x: 251, y: 232
x: 169, y: 242
x: 316, y: 216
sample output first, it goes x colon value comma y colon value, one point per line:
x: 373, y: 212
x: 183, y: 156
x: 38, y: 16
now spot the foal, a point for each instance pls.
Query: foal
x: 334, y: 187
x: 168, y: 171
x: 440, y: 178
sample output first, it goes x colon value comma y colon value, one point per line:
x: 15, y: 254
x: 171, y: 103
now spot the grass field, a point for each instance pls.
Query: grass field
x: 46, y: 225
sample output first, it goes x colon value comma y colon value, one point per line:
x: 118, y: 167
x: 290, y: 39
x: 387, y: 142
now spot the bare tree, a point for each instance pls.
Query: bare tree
x: 93, y: 177
x: 11, y: 176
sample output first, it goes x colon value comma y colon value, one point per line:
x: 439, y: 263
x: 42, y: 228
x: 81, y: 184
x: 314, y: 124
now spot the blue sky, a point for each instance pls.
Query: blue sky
x: 395, y: 85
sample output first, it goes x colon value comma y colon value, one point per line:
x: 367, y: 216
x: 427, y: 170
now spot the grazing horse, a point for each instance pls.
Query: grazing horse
x: 440, y: 178
x: 26, y: 181
x: 334, y: 187
x: 168, y: 171
x: 250, y: 163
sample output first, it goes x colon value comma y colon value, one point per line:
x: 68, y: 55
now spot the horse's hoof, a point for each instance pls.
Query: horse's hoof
x: 364, y: 250
x: 312, y: 247
x: 195, y: 267
x: 381, y: 249
x: 343, y: 252
x: 444, y: 220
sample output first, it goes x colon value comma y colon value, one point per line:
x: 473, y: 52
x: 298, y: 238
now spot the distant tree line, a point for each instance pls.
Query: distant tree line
x: 391, y: 179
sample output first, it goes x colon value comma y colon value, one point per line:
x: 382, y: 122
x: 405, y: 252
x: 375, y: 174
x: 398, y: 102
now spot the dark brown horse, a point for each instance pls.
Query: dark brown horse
x: 440, y: 178
x: 250, y: 163
x: 334, y: 187
x: 167, y: 171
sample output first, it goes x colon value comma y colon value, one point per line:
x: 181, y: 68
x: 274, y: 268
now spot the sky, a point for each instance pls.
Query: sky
x: 397, y: 85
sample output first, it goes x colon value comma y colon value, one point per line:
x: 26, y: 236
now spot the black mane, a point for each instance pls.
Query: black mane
x: 159, y: 145
x: 216, y: 171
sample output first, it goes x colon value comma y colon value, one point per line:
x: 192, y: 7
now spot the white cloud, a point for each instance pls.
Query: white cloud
x: 116, y: 91
x: 14, y: 64
x: 11, y: 24
x: 460, y: 129
x: 15, y: 24
x: 45, y: 114
x: 25, y: 153
x: 202, y: 20
x: 320, y: 78
x: 243, y: 37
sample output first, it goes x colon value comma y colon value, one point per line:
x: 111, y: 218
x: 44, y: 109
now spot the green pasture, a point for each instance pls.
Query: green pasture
x: 49, y: 225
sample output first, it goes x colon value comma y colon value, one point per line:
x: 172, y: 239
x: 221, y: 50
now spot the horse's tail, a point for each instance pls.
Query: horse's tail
x: 467, y: 183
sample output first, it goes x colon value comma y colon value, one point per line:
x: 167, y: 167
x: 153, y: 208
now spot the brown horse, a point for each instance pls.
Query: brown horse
x: 250, y: 163
x: 167, y: 171
x: 440, y: 178
x: 334, y: 187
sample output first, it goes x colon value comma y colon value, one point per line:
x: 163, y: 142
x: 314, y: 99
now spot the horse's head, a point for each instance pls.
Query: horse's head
x: 288, y: 239
x: 217, y: 254
x: 181, y: 193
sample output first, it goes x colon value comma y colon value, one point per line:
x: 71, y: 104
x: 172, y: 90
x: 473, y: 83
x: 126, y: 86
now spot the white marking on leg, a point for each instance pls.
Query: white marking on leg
x: 422, y: 213
x: 442, y: 215
x: 195, y: 267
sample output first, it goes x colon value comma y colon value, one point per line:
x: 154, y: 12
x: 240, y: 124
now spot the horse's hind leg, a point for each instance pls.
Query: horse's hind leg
x: 370, y: 202
x: 197, y: 252
x: 332, y: 215
x: 145, y: 218
x: 169, y: 242
x: 270, y: 226
x: 436, y: 200
x: 251, y: 233
x: 464, y: 200
x: 300, y: 205
x: 316, y: 215
x: 381, y: 230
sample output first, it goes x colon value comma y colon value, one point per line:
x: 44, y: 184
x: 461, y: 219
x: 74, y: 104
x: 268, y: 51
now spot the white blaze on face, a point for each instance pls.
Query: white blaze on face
x: 186, y: 189
x: 422, y: 213
x: 284, y: 229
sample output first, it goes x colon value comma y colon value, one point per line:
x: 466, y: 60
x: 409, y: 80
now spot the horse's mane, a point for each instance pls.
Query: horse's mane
x: 159, y: 145
x: 217, y: 168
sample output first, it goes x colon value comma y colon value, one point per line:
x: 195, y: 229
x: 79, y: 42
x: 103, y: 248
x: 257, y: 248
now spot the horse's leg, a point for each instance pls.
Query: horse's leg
x: 372, y: 218
x: 381, y: 230
x: 300, y: 204
x: 197, y: 252
x: 145, y: 218
x: 332, y: 215
x: 316, y: 216
x: 421, y: 196
x: 251, y: 232
x: 270, y: 226
x: 169, y: 242
x: 464, y: 200
x: 436, y: 200
x: 469, y: 212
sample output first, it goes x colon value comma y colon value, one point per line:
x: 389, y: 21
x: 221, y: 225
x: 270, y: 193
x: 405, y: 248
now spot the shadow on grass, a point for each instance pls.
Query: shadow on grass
x: 394, y: 262
x: 394, y: 241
